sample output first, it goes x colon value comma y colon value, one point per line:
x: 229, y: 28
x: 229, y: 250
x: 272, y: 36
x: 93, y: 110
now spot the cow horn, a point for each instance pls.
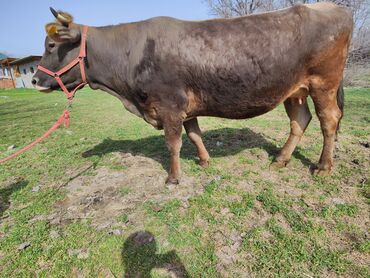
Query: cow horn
x: 60, y: 17
x: 54, y: 12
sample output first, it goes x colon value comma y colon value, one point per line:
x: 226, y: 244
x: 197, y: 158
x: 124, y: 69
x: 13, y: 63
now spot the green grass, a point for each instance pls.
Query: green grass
x: 239, y: 218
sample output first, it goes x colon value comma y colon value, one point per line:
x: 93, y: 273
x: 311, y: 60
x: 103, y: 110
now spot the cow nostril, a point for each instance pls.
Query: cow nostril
x: 34, y: 81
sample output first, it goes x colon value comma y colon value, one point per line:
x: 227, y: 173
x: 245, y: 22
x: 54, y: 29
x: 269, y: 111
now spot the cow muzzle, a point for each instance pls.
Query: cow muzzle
x: 42, y: 89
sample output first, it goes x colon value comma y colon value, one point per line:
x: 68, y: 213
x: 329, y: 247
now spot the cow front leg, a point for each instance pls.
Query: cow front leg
x: 195, y: 136
x: 172, y: 132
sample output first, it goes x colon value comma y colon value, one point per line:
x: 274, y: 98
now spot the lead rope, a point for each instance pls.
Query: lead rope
x: 63, y: 119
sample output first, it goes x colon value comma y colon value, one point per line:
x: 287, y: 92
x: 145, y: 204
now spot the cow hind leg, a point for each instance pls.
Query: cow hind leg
x: 329, y: 114
x: 300, y: 116
x: 195, y: 135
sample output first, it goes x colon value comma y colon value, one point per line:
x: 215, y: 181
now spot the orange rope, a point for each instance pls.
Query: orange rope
x: 64, y: 118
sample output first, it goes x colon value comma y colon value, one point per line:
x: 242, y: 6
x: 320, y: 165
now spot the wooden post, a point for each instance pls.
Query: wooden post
x: 11, y: 74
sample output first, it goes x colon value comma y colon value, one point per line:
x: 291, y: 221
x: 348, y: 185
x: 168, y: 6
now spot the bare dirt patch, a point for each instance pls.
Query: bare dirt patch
x: 104, y: 195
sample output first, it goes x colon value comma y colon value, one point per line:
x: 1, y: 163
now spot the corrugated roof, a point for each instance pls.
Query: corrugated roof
x: 7, y: 60
x: 25, y: 59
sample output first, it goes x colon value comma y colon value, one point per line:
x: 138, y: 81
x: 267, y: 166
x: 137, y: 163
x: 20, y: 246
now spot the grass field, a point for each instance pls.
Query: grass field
x: 90, y: 201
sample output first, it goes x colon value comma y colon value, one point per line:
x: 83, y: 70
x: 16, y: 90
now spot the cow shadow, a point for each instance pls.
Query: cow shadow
x: 139, y: 257
x: 6, y: 192
x: 219, y: 143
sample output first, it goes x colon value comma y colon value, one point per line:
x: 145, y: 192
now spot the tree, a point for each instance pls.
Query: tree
x: 232, y: 8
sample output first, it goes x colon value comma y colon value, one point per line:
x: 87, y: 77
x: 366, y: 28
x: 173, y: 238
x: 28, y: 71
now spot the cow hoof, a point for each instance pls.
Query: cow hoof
x: 278, y: 164
x: 172, y: 181
x: 204, y: 164
x: 322, y: 172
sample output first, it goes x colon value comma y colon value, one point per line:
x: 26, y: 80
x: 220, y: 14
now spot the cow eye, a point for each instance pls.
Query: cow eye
x: 51, y: 44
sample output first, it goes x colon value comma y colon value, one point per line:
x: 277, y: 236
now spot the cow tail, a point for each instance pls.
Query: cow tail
x: 340, y: 103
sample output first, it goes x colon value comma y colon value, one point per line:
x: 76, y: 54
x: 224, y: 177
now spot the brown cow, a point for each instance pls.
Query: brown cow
x: 170, y: 71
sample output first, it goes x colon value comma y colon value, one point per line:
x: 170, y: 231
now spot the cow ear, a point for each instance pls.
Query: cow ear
x: 60, y: 33
x: 51, y: 29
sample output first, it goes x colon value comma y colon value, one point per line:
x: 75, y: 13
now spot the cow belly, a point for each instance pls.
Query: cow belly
x: 238, y: 112
x: 234, y: 105
x: 254, y: 105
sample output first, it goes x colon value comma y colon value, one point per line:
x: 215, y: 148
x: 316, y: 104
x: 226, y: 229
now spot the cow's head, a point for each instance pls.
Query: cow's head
x: 61, y: 47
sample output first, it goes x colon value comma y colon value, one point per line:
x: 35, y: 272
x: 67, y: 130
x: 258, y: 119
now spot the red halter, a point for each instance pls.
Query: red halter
x: 77, y: 60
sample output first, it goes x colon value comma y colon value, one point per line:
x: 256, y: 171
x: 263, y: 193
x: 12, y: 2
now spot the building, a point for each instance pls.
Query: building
x: 23, y: 70
x: 7, y: 80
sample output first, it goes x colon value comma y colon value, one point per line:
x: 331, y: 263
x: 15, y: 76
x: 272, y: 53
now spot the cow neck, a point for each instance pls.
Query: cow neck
x: 78, y: 60
x: 108, y: 61
x: 104, y: 62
